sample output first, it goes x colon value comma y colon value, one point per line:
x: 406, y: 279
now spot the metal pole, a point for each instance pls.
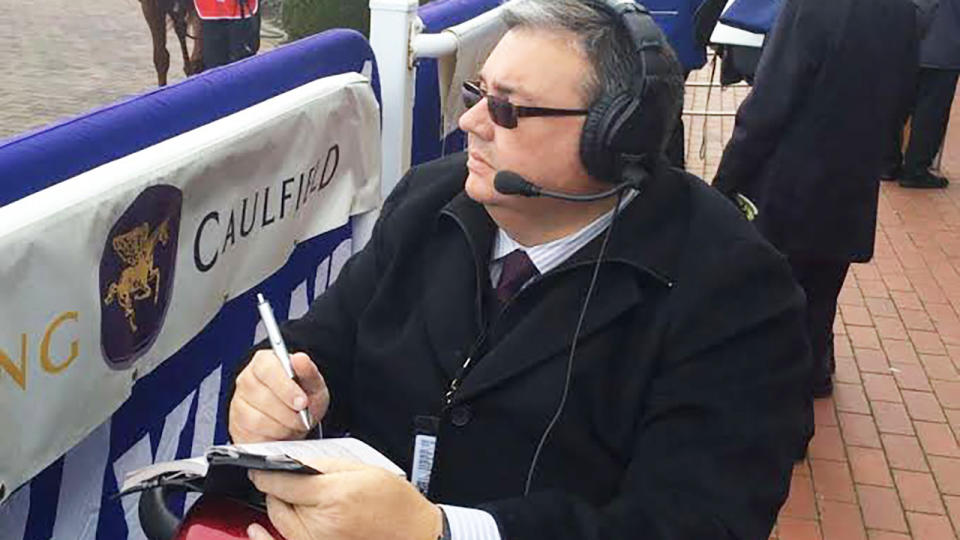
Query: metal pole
x: 392, y: 24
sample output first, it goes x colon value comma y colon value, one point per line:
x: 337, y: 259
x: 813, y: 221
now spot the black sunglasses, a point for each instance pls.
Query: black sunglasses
x: 505, y: 114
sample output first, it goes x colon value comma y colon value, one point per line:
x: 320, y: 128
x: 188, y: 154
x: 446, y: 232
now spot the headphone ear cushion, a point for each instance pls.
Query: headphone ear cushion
x: 597, y: 160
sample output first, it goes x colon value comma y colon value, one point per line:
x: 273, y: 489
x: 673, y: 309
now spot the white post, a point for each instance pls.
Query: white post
x: 392, y: 25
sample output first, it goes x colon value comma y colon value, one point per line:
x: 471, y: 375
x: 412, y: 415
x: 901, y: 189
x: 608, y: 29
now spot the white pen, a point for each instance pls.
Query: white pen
x: 279, y: 347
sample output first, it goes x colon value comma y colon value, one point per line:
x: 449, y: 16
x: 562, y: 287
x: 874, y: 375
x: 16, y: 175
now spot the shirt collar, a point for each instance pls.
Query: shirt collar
x: 546, y: 257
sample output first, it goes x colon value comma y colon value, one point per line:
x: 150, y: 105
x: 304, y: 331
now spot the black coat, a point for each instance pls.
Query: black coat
x: 688, y: 394
x: 833, y: 81
x: 941, y: 46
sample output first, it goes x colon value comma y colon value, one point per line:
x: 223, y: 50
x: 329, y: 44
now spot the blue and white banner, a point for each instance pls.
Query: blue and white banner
x: 133, y: 288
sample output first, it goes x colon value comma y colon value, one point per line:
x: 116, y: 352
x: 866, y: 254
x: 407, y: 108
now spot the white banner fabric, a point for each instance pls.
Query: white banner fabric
x: 107, y: 274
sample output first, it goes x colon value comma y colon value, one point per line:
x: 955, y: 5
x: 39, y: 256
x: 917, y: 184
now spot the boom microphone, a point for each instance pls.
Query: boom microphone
x: 511, y: 183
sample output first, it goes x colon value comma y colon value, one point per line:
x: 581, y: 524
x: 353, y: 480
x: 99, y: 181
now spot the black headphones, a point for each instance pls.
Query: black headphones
x: 630, y: 129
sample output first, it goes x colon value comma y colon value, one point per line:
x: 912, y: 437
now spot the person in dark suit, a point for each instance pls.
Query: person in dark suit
x: 669, y: 406
x: 936, y: 84
x: 808, y: 142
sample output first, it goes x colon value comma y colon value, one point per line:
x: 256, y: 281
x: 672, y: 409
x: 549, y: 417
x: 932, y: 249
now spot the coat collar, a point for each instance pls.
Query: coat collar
x: 644, y: 251
x: 648, y: 234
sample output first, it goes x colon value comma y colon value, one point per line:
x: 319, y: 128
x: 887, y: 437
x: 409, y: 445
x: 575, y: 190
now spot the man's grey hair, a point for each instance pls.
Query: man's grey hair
x: 604, y: 43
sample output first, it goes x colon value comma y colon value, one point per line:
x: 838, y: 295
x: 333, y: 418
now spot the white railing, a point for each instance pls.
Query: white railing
x: 398, y: 41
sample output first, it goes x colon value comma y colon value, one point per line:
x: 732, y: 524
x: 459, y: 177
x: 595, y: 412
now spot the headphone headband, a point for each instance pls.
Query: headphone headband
x: 632, y: 126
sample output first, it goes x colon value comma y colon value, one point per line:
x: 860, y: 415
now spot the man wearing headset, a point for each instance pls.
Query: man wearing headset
x: 649, y: 379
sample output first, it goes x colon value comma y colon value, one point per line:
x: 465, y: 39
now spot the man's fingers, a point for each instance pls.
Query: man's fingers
x: 290, y: 488
x: 313, y: 383
x: 307, y: 373
x: 267, y: 369
x: 332, y: 466
x: 267, y: 402
x: 285, y: 519
x: 256, y: 532
x: 250, y: 418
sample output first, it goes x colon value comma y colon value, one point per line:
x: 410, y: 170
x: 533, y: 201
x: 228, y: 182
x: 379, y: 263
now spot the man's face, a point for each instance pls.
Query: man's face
x: 535, y: 69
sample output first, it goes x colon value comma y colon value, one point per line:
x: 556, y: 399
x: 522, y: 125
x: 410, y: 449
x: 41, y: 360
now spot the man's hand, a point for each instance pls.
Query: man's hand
x: 266, y: 403
x: 349, y: 501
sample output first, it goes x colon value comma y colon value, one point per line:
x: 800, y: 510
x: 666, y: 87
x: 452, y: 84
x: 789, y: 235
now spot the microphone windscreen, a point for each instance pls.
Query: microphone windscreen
x: 511, y: 183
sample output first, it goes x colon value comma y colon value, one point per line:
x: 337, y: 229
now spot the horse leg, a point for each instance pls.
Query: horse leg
x: 180, y: 29
x: 156, y: 20
x: 194, y: 25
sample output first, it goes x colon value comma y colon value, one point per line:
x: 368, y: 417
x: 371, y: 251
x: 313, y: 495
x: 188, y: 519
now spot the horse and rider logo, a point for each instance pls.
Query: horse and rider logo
x: 136, y: 274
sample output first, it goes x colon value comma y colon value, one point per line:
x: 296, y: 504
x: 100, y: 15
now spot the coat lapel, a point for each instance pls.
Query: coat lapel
x: 642, y: 256
x: 454, y: 283
x: 540, y: 322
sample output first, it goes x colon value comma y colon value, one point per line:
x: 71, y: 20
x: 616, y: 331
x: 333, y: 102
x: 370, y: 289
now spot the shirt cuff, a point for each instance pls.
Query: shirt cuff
x: 470, y: 523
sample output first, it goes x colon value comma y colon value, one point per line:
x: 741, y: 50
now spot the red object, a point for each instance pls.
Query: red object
x: 219, y: 518
x: 226, y: 9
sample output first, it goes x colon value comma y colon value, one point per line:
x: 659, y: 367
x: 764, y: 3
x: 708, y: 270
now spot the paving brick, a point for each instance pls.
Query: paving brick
x: 900, y: 351
x: 798, y: 529
x: 910, y: 377
x: 841, y: 521
x: 881, y: 508
x: 890, y: 327
x: 852, y: 297
x: 923, y: 406
x: 800, y: 501
x: 918, y: 492
x: 953, y: 509
x: 897, y: 282
x: 827, y: 444
x: 947, y: 473
x: 873, y: 288
x: 850, y: 398
x: 939, y: 367
x: 880, y: 387
x: 927, y: 342
x: 832, y: 481
x: 869, y: 466
x: 892, y: 418
x: 948, y: 392
x: 916, y: 319
x: 938, y: 313
x: 859, y: 430
x: 937, y: 439
x: 928, y: 527
x: 871, y: 360
x: 904, y: 452
x: 874, y: 534
x: 906, y: 300
x: 824, y: 412
x: 863, y: 271
x: 881, y: 307
x: 841, y: 345
x: 847, y: 371
x: 863, y: 336
x: 855, y: 315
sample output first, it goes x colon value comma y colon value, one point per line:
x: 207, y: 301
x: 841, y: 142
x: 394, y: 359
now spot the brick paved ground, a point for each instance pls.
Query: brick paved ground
x: 61, y: 58
x: 884, y: 464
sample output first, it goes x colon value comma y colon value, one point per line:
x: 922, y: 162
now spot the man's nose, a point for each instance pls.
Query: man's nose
x: 476, y: 120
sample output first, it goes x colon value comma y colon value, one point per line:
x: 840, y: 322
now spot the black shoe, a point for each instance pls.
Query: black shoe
x: 891, y: 174
x: 927, y: 180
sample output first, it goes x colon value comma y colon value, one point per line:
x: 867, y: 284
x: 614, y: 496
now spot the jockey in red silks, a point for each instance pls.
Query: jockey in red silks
x: 226, y: 9
x: 231, y: 30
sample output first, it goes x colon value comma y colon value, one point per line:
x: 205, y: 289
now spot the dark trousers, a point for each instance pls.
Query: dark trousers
x: 930, y: 111
x: 226, y: 41
x: 821, y: 280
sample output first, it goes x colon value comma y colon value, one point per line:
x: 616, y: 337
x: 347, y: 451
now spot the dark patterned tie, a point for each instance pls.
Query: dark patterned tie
x: 517, y: 270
